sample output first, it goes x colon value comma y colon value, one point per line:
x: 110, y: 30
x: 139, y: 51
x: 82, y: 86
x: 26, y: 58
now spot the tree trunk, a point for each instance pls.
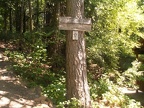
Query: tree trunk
x: 77, y: 85
x: 30, y: 15
x: 37, y: 20
x: 24, y: 21
x: 5, y: 21
x: 17, y: 16
x: 10, y: 19
x: 22, y: 17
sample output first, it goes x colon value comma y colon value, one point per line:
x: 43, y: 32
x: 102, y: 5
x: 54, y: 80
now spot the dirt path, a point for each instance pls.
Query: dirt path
x: 13, y: 93
x: 139, y: 96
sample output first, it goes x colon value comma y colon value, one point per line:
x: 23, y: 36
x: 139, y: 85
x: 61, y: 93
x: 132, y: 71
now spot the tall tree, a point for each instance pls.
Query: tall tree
x: 10, y: 19
x: 37, y: 11
x: 22, y: 16
x: 77, y: 85
x: 5, y: 17
x: 30, y: 16
x: 17, y: 16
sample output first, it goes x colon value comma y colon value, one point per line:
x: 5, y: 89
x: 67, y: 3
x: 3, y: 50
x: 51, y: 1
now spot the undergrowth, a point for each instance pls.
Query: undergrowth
x: 103, y: 92
x: 35, y: 65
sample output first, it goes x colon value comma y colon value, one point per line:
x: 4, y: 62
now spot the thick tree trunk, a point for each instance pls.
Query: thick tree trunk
x: 77, y: 85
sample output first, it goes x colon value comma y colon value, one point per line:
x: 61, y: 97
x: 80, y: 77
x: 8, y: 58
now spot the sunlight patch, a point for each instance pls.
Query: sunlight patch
x: 4, y: 101
x: 3, y: 92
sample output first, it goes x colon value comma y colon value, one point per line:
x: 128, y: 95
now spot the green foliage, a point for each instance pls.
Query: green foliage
x: 125, y: 61
x: 72, y: 103
x: 103, y: 92
x: 115, y: 98
x: 97, y: 88
x: 31, y: 59
x: 116, y: 27
x: 40, y: 56
x: 34, y: 73
x: 112, y: 97
x: 56, y: 90
x: 140, y: 75
x: 129, y: 77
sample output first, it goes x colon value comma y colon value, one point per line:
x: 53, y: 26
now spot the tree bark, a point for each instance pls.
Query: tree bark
x: 22, y: 17
x: 30, y: 16
x: 10, y: 19
x: 37, y: 20
x: 5, y: 21
x: 76, y: 75
x: 17, y: 16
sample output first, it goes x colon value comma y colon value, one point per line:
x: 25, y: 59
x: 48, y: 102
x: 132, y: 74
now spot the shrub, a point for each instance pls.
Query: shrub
x: 113, y: 97
x: 72, y: 103
x: 56, y: 91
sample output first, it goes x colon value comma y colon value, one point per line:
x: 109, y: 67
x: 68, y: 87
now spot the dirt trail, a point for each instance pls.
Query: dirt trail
x: 13, y: 93
x: 139, y: 96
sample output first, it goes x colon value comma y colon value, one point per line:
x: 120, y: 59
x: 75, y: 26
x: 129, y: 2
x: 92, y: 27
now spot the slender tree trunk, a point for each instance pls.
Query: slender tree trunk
x: 22, y: 17
x: 10, y: 19
x: 17, y: 16
x: 37, y: 20
x: 24, y: 21
x: 30, y: 15
x: 56, y: 14
x: 77, y: 84
x: 5, y: 21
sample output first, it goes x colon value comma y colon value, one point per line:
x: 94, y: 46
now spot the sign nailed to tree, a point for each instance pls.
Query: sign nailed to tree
x: 76, y: 74
x: 69, y: 23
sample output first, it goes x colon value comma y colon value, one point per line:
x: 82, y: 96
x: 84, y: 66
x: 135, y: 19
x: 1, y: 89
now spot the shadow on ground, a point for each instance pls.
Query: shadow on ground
x: 12, y: 92
x: 137, y: 96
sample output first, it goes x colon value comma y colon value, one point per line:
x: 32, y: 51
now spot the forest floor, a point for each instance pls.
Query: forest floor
x: 13, y: 90
x: 15, y: 94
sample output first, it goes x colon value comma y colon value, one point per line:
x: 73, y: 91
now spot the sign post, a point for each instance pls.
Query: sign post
x: 76, y: 75
x: 69, y: 23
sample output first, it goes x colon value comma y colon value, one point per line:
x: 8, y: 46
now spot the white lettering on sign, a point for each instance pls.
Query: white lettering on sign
x: 75, y: 35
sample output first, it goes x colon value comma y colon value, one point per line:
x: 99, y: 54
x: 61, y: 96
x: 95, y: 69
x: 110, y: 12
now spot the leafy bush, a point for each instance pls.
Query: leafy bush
x: 72, y: 103
x: 31, y: 68
x: 112, y: 97
x: 115, y: 30
x: 97, y: 88
x: 115, y: 98
x: 56, y: 90
x: 128, y: 78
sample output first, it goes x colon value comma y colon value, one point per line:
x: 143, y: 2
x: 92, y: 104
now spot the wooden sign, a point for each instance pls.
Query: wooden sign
x: 69, y: 23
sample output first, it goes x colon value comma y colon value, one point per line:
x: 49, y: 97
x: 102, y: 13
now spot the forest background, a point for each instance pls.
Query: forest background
x: 31, y: 26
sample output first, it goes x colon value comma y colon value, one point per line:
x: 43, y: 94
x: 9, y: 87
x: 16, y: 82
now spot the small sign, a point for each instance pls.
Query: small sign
x: 69, y: 23
x: 75, y: 35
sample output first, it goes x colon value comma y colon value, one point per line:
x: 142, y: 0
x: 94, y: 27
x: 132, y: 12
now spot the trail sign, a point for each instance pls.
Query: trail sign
x: 69, y: 23
x: 76, y: 74
x: 75, y: 35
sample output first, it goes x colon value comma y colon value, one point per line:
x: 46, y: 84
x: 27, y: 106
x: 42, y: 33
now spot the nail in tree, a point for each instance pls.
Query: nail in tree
x: 76, y: 74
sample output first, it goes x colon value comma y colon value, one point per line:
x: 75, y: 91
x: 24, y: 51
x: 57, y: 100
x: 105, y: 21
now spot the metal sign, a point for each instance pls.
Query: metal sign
x: 75, y: 35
